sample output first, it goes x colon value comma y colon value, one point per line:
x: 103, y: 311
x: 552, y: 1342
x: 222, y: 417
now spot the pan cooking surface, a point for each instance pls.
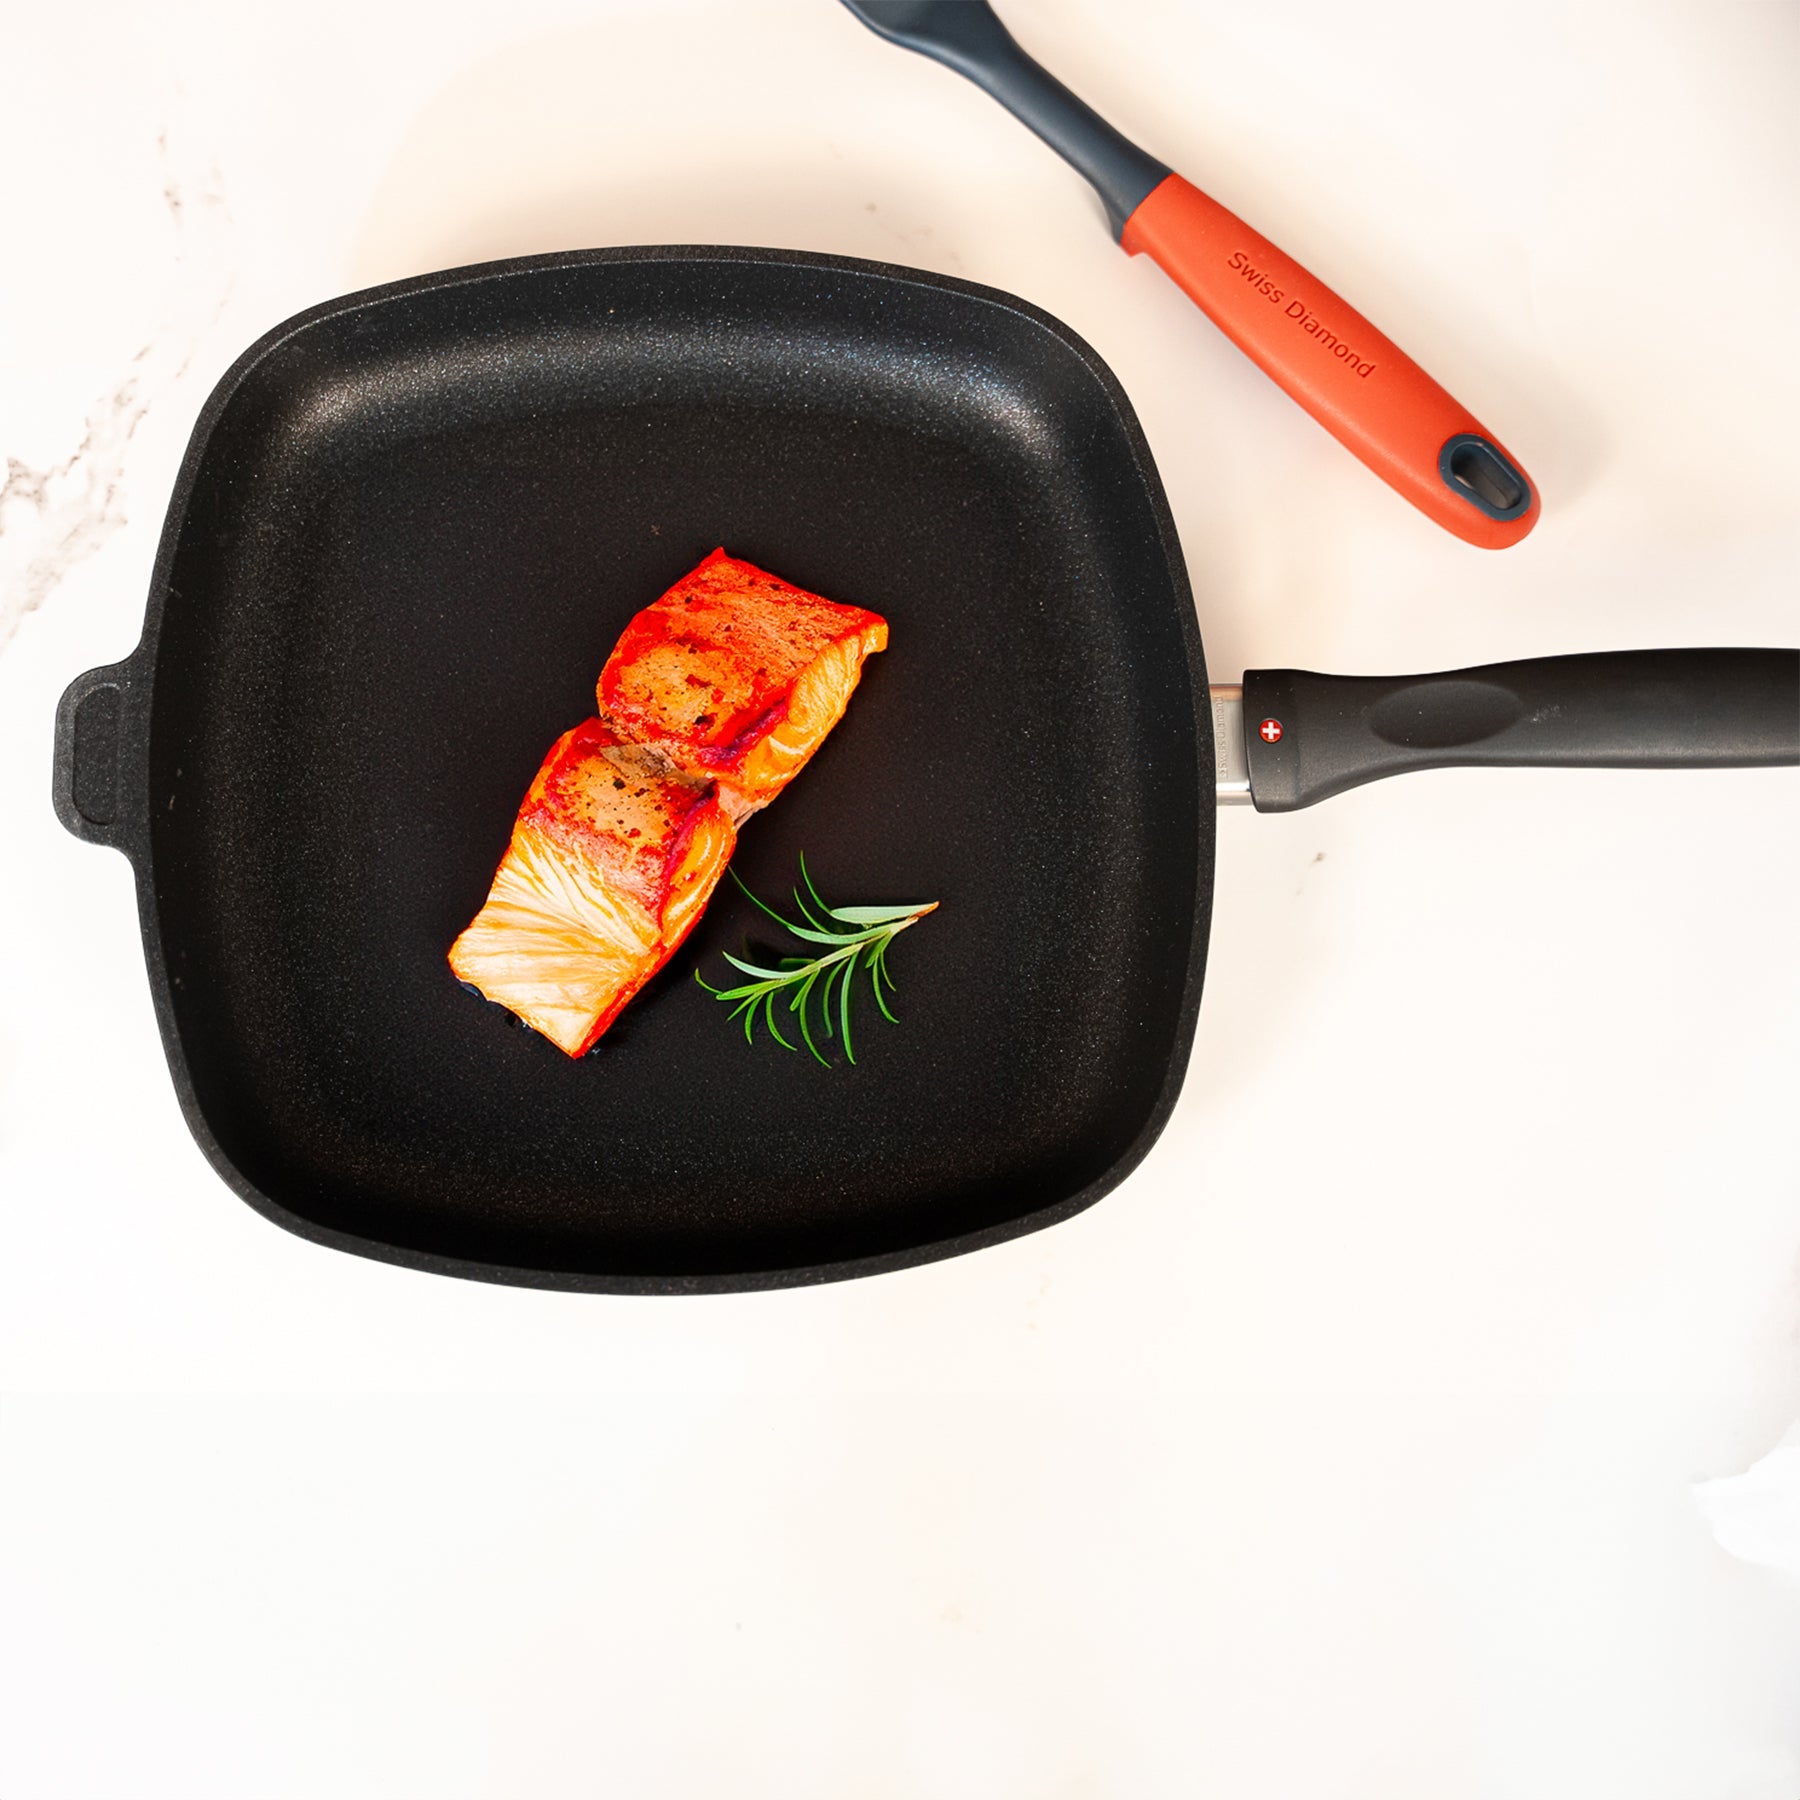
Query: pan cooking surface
x: 412, y: 526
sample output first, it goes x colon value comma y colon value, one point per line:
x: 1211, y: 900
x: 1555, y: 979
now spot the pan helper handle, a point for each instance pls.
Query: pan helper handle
x: 1310, y: 736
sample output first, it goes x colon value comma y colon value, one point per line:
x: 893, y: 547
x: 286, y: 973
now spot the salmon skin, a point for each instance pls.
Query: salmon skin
x: 737, y: 676
x: 713, y: 700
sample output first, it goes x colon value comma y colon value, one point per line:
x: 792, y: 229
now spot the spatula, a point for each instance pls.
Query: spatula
x: 1373, y: 398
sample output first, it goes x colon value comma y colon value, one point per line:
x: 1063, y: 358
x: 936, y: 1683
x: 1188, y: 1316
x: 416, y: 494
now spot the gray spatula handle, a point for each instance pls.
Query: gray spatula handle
x: 967, y: 36
x: 1310, y: 736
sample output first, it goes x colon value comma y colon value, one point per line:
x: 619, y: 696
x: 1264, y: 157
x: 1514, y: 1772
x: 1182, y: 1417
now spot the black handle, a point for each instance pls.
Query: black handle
x: 967, y: 36
x: 95, y: 727
x: 1311, y: 736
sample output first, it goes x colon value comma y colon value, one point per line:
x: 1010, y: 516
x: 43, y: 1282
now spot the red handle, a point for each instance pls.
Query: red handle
x: 1373, y: 398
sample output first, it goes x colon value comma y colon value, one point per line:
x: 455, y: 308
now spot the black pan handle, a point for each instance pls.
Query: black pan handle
x: 1311, y: 736
x: 94, y: 728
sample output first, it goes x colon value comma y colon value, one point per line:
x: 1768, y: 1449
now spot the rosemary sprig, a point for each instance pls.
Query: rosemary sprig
x: 852, y: 936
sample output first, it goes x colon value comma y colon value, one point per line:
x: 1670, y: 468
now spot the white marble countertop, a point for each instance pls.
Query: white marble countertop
x: 1350, y: 1449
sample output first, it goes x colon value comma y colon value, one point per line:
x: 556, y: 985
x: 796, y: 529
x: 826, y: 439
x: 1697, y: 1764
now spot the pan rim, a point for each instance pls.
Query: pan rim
x: 130, y: 835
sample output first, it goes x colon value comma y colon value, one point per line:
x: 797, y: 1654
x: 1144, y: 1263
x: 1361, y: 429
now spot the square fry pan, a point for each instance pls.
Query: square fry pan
x: 410, y: 526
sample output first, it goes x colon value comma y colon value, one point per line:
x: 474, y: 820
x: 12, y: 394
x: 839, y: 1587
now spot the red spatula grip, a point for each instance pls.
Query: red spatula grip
x: 1373, y: 398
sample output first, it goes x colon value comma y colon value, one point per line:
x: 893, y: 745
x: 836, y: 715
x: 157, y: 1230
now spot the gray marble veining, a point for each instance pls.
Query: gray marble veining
x: 56, y: 515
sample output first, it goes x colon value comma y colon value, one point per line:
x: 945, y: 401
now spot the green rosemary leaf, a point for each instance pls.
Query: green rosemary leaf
x: 774, y: 1029
x: 752, y: 969
x: 877, y: 970
x: 829, y: 937
x: 875, y: 915
x: 749, y: 989
x: 754, y: 901
x: 806, y: 913
x: 807, y: 878
x: 800, y: 1001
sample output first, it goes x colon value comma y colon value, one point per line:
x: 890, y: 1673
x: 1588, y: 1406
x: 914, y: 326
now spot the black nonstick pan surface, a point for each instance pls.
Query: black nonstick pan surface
x: 409, y: 528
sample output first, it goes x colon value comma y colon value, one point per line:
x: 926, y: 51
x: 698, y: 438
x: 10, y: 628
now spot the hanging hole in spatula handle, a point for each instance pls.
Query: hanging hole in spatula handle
x: 1480, y: 472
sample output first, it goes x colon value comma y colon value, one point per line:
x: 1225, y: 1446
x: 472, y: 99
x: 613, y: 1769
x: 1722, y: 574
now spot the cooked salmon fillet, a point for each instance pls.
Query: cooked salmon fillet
x: 736, y: 676
x: 712, y: 701
x: 614, y: 855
